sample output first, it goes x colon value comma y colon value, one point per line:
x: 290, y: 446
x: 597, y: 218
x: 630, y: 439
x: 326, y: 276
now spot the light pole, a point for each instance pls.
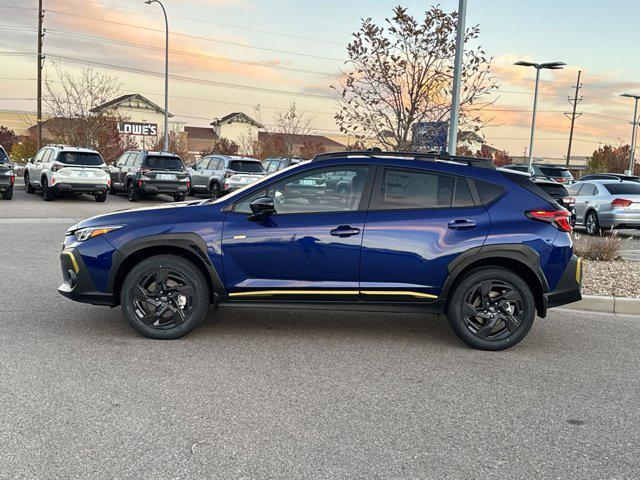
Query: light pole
x: 166, y: 75
x: 457, y: 72
x: 538, y: 67
x: 633, y: 130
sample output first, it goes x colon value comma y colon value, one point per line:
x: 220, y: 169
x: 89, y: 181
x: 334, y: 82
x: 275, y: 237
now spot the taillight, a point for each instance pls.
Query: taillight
x: 558, y: 218
x: 621, y: 202
x: 108, y: 182
x: 571, y: 201
x: 560, y: 179
x: 12, y: 180
x: 139, y: 183
x: 188, y: 185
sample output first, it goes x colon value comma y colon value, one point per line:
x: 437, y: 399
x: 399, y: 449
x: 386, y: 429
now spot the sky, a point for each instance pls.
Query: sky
x: 244, y: 53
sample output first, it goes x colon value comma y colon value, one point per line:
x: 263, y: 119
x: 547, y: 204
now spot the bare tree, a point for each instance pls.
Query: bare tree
x: 286, y: 135
x: 401, y: 75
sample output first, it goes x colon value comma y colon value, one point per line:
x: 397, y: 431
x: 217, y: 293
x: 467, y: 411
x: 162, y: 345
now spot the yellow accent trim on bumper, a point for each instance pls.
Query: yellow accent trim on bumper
x: 579, y: 270
x: 69, y: 253
x: 293, y: 292
x: 397, y: 292
x: 239, y: 237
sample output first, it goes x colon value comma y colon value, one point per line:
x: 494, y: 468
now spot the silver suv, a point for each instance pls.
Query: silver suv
x: 58, y: 168
x: 606, y: 204
x: 209, y: 175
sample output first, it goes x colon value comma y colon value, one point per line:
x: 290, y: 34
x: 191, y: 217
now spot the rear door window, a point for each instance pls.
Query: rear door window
x: 408, y: 189
x: 575, y: 189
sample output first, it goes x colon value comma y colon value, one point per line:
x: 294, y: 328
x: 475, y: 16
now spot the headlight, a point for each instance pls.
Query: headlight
x: 90, y: 232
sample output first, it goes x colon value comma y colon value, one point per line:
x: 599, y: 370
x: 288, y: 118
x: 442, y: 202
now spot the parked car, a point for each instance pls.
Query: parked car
x: 560, y: 194
x: 274, y: 164
x: 606, y: 204
x: 209, y: 174
x: 486, y: 246
x: 7, y: 176
x: 141, y: 172
x: 62, y: 169
x: 610, y: 176
x: 544, y: 172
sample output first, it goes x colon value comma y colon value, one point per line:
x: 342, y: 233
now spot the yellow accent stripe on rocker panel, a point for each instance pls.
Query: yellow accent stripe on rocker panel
x: 396, y: 292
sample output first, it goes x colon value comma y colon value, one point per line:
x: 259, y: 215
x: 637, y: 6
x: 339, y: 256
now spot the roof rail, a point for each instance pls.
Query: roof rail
x: 429, y: 156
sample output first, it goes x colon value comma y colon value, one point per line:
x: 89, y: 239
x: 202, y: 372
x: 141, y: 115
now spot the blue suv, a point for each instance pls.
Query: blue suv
x: 413, y: 232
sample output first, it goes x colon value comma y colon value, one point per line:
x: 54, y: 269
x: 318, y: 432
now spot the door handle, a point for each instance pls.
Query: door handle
x: 344, y: 231
x: 461, y: 224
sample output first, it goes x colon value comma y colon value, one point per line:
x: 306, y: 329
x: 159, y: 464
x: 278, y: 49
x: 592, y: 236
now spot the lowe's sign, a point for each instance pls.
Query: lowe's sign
x: 135, y: 128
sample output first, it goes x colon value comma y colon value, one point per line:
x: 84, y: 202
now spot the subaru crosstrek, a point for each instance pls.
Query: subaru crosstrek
x: 415, y: 232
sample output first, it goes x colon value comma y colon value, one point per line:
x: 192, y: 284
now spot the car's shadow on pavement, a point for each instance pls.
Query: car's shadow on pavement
x: 248, y: 323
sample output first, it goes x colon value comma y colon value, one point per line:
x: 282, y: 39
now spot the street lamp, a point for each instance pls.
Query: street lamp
x: 538, y: 67
x: 633, y: 130
x: 457, y: 73
x: 166, y: 75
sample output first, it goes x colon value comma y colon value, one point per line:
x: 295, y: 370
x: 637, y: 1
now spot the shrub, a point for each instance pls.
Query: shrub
x: 603, y: 247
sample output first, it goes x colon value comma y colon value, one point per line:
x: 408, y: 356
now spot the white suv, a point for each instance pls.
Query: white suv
x: 59, y: 168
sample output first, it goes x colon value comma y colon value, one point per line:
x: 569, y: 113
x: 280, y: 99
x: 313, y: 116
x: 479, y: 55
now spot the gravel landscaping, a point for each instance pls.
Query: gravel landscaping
x: 618, y: 279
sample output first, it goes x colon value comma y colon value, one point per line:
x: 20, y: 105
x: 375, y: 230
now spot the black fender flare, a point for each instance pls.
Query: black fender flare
x: 190, y: 242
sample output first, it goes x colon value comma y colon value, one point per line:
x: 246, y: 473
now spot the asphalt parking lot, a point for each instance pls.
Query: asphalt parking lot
x: 284, y: 394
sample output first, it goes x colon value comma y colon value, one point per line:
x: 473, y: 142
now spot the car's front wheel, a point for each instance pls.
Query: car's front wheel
x: 164, y: 297
x: 27, y: 184
x: 491, y: 309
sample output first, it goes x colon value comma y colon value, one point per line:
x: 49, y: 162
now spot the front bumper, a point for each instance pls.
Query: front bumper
x: 77, y: 283
x: 73, y: 187
x: 568, y: 288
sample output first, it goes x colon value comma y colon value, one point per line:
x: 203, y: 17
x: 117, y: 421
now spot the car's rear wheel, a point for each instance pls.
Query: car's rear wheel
x: 101, y: 197
x: 48, y: 193
x: 491, y: 309
x: 7, y: 194
x: 179, y: 197
x: 214, y: 188
x: 591, y: 224
x: 164, y: 297
x: 132, y: 192
x: 27, y: 184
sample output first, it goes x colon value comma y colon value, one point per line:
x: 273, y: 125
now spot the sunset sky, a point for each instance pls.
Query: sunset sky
x: 249, y: 52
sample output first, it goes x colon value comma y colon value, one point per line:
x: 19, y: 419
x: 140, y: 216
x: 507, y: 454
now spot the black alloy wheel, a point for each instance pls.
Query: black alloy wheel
x: 215, y: 190
x: 165, y: 297
x: 27, y: 184
x: 491, y: 308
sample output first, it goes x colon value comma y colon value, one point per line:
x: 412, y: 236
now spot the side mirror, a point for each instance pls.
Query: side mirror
x: 30, y: 160
x: 262, y: 207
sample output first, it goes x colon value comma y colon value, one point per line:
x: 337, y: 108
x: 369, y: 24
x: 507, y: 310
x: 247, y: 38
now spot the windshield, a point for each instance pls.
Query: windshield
x: 163, y: 163
x: 556, y: 172
x: 80, y: 158
x: 246, y: 166
x: 3, y: 156
x: 623, y: 188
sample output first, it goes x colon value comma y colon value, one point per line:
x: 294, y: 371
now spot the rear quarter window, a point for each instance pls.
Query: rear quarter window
x: 488, y: 192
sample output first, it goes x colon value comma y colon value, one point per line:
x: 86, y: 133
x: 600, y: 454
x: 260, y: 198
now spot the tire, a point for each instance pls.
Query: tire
x: 48, y: 194
x: 591, y: 224
x: 214, y: 190
x: 27, y: 184
x: 179, y: 198
x: 132, y: 192
x: 191, y: 192
x: 141, y: 302
x: 7, y: 194
x: 101, y: 197
x: 112, y: 191
x: 503, y: 322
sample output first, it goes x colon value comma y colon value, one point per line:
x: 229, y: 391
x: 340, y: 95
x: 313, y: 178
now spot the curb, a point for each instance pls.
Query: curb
x: 594, y: 303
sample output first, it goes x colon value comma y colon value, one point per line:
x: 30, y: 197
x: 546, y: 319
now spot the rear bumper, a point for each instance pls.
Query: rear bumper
x: 90, y: 188
x: 619, y: 219
x: 568, y: 288
x: 77, y: 284
x: 150, y: 187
